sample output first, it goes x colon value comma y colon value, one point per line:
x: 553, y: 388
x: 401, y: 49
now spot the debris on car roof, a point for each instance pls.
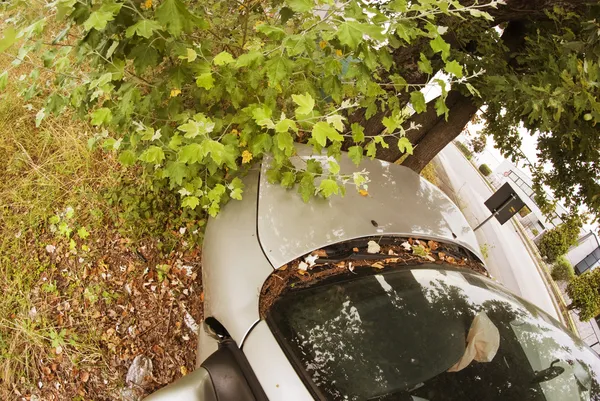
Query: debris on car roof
x: 376, y: 253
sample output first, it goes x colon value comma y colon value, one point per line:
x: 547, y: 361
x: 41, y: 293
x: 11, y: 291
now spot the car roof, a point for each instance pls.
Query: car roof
x: 272, y: 226
x: 398, y: 202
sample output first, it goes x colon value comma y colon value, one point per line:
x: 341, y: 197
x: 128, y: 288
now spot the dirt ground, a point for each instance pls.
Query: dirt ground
x: 137, y: 303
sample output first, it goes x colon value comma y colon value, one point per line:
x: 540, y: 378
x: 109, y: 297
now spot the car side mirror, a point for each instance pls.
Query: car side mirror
x: 195, y: 386
x: 226, y: 375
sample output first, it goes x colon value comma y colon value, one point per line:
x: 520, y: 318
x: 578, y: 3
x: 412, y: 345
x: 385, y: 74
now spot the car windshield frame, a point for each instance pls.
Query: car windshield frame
x: 494, y: 288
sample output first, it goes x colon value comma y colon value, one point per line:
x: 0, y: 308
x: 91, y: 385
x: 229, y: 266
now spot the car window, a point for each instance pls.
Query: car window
x: 427, y: 334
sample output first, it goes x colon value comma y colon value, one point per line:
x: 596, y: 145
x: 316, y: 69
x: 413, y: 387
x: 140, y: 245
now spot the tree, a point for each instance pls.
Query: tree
x: 557, y: 241
x: 197, y: 91
x: 563, y: 270
x: 478, y: 143
x: 585, y: 295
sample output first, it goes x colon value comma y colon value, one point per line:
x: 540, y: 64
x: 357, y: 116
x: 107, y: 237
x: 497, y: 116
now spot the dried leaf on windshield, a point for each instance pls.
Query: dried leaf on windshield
x: 373, y: 247
x: 433, y: 245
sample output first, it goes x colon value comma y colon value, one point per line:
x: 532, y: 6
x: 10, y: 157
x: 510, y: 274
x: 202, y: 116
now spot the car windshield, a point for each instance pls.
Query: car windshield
x: 429, y: 334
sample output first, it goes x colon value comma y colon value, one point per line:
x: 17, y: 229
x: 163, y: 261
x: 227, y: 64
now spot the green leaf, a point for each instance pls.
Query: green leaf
x: 358, y: 132
x: 417, y: 100
x: 307, y: 187
x: 301, y: 6
x: 305, y: 103
x: 329, y: 187
x: 454, y: 68
x: 334, y: 167
x: 153, y: 154
x: 350, y: 34
x: 391, y: 123
x: 355, y: 153
x: 3, y: 80
x: 176, y: 171
x: 248, y: 59
x: 322, y: 131
x: 9, y: 38
x: 191, y: 55
x: 285, y: 142
x: 101, y: 116
x: 64, y: 8
x: 190, y: 202
x: 288, y: 179
x: 285, y: 125
x: 371, y: 149
x: 215, y: 149
x: 260, y: 144
x: 216, y: 193
x: 144, y: 28
x: 223, y: 58
x: 192, y: 153
x: 440, y: 106
x: 277, y: 69
x: 127, y: 158
x: 405, y: 146
x: 83, y: 233
x: 237, y: 188
x: 271, y: 31
x: 425, y: 65
x: 205, y: 81
x: 337, y: 121
x: 439, y: 45
x: 99, y: 18
x: 175, y: 16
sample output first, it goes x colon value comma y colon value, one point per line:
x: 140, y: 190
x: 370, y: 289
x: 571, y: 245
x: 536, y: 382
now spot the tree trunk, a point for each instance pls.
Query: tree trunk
x: 442, y: 133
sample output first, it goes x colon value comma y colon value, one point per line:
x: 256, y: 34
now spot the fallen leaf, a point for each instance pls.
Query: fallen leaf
x: 202, y: 296
x: 406, y: 246
x: 302, y: 266
x: 433, y: 245
x: 391, y: 252
x: 183, y: 370
x: 373, y: 247
x: 84, y: 376
x: 355, y: 249
x: 363, y: 192
x: 378, y: 265
x: 320, y: 253
x: 441, y: 255
x: 311, y: 259
x: 284, y: 267
x: 451, y: 260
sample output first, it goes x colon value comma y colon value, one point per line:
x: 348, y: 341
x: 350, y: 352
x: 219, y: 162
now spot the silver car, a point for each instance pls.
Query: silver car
x: 378, y: 295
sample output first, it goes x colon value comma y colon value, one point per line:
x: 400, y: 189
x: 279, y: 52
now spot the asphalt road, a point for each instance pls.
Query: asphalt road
x: 508, y: 260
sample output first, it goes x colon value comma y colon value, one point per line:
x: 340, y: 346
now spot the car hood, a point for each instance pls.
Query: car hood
x: 399, y: 202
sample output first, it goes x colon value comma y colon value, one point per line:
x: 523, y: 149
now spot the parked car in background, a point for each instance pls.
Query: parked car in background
x: 376, y: 297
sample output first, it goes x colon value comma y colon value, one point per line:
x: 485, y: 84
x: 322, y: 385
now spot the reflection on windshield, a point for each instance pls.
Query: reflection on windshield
x: 395, y: 336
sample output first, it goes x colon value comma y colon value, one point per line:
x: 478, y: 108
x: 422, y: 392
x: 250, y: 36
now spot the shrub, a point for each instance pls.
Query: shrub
x: 556, y: 242
x: 563, y: 270
x: 524, y: 212
x: 485, y: 170
x: 463, y: 148
x: 585, y: 298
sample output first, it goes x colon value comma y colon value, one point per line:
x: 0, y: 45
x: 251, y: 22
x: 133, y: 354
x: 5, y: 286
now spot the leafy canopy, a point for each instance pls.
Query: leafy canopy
x: 197, y: 91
